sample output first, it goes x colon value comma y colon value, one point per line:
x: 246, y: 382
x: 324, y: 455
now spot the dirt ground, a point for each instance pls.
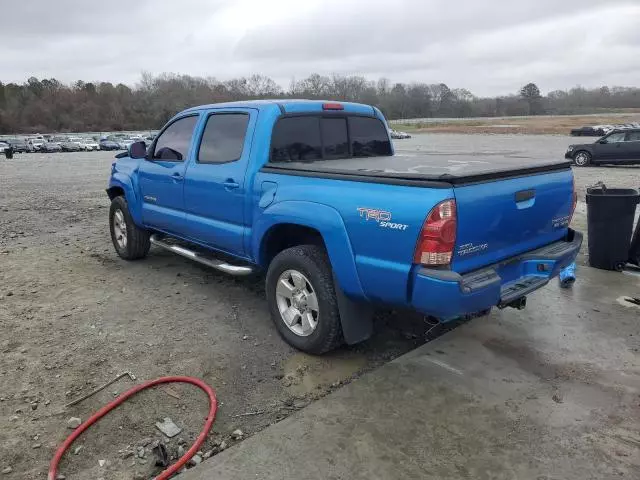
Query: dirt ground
x: 522, y: 125
x: 73, y: 316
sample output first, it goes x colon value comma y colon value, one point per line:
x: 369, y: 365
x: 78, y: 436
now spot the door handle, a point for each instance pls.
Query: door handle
x: 230, y: 184
x: 177, y: 176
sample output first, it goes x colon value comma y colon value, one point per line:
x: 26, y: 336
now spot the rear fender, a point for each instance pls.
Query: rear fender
x: 325, y: 220
x: 355, y: 312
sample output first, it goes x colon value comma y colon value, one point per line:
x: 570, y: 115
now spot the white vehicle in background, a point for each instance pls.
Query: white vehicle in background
x: 36, y: 143
x: 89, y: 144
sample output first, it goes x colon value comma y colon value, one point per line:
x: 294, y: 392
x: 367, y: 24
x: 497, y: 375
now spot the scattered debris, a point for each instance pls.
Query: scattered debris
x: 223, y: 445
x: 195, y: 460
x: 168, y: 428
x: 162, y: 457
x: 180, y: 451
x: 61, y: 477
x: 78, y: 449
x: 248, y: 414
x: 36, y: 445
x: 140, y: 452
x: 102, y: 387
x: 171, y: 392
x: 208, y: 454
x: 7, y: 470
x: 557, y: 398
x: 73, y: 423
x: 237, y: 434
x: 102, y: 463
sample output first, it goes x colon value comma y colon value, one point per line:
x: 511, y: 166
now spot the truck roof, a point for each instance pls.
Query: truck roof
x: 288, y: 105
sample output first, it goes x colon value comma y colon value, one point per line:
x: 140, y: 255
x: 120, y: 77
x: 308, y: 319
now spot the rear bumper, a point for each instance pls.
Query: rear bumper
x: 448, y: 295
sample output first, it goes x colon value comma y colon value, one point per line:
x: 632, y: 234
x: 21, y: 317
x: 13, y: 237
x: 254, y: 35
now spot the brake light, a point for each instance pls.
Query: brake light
x: 438, y: 235
x: 575, y: 200
x: 332, y: 106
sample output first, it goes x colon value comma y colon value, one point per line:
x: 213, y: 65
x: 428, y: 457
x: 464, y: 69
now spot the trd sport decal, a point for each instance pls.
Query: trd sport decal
x: 382, y: 217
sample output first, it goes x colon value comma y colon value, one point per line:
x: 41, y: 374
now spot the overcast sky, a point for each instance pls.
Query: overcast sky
x: 488, y: 46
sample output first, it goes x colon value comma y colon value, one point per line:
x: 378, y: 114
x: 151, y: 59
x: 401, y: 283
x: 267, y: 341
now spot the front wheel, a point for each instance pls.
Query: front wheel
x: 302, y: 299
x: 582, y: 159
x: 130, y: 241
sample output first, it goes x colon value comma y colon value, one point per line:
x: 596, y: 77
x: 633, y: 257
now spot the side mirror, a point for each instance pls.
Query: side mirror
x: 603, y: 141
x: 138, y: 150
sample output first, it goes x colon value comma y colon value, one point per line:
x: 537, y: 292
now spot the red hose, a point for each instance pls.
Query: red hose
x: 213, y: 407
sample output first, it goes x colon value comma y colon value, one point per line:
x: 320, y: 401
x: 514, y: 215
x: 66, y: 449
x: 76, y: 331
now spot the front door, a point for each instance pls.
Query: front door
x: 214, y: 187
x: 161, y: 176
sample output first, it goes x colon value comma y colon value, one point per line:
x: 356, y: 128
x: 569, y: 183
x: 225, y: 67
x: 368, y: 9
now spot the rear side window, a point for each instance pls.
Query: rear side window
x: 174, y: 143
x: 296, y: 139
x: 309, y: 138
x: 223, y: 138
x: 369, y: 137
x: 633, y: 137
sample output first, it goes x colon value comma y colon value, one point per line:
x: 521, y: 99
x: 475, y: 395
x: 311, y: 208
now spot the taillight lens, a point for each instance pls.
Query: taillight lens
x: 438, y: 235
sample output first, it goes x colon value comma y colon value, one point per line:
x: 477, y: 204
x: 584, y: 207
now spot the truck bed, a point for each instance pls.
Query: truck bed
x: 420, y: 168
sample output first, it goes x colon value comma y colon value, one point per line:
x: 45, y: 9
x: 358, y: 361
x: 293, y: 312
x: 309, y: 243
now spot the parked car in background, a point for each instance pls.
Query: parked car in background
x: 3, y: 146
x: 107, y: 144
x: 50, y: 147
x: 619, y: 146
x: 36, y: 143
x: 396, y: 135
x: 89, y: 144
x: 71, y: 146
x: 19, y: 145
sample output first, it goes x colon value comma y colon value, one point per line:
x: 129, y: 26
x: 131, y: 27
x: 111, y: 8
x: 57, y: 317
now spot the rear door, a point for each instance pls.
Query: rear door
x: 503, y: 218
x: 161, y: 176
x: 632, y: 146
x: 215, y: 188
x: 612, y: 149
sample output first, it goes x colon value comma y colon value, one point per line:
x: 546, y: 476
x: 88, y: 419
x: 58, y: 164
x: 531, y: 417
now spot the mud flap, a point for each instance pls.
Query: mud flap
x: 356, y: 317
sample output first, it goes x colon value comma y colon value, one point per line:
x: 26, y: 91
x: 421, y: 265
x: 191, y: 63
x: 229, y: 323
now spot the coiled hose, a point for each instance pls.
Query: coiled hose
x: 173, y: 469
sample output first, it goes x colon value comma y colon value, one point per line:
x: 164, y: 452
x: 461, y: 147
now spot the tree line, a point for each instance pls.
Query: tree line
x: 48, y: 105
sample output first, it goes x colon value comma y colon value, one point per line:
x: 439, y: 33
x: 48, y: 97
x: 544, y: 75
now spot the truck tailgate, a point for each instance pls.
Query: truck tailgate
x: 505, y: 217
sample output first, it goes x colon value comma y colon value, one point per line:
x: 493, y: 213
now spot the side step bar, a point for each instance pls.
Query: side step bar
x: 237, y: 270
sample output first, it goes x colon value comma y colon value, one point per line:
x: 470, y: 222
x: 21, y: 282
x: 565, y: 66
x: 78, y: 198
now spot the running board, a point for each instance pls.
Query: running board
x: 237, y: 270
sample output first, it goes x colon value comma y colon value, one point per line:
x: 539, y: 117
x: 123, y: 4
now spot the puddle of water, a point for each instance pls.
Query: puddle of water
x: 304, y: 373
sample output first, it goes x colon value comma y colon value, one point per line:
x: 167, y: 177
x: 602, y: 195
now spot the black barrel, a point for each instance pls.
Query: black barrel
x: 8, y: 152
x: 634, y: 251
x: 610, y: 214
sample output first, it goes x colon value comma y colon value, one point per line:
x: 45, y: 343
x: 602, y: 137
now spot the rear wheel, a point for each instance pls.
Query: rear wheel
x: 130, y: 241
x: 582, y: 158
x: 302, y: 299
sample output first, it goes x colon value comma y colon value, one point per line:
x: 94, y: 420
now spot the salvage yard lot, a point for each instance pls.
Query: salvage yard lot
x: 73, y: 316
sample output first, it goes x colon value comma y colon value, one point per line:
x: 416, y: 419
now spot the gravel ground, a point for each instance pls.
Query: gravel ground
x: 73, y: 316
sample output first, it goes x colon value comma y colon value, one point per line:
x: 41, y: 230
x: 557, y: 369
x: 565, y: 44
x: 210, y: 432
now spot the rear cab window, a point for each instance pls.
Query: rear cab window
x: 328, y: 137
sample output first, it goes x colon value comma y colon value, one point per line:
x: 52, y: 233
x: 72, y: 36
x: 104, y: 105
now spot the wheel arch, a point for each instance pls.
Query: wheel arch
x: 289, y: 223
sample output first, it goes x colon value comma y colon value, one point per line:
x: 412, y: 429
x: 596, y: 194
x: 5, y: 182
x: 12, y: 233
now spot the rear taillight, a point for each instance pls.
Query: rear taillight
x: 575, y: 200
x: 438, y: 235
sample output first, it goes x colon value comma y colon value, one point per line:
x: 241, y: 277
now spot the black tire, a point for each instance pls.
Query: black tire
x: 582, y: 158
x: 137, y: 239
x: 312, y: 261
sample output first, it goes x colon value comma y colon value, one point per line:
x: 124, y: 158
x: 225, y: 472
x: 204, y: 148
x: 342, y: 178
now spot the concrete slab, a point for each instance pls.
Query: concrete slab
x: 552, y: 392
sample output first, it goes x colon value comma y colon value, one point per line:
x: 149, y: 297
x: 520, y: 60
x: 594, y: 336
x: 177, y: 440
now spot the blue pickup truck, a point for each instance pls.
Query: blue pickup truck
x: 312, y: 194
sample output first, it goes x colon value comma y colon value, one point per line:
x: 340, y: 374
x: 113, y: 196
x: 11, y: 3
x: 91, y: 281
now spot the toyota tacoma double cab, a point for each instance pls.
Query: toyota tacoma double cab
x: 311, y: 194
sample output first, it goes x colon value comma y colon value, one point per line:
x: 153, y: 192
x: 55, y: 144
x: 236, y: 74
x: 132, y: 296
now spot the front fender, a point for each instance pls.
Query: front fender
x: 124, y: 181
x: 325, y: 220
